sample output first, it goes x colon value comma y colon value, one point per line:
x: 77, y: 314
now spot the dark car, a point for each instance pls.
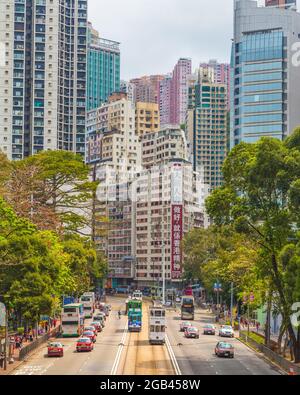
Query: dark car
x: 224, y: 350
x: 191, y: 333
x: 209, y: 329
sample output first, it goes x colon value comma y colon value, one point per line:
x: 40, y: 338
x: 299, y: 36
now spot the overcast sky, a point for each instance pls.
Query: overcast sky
x: 154, y: 34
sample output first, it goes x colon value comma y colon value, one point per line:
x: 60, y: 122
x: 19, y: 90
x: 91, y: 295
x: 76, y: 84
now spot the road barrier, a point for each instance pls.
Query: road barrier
x: 279, y: 360
x: 36, y: 343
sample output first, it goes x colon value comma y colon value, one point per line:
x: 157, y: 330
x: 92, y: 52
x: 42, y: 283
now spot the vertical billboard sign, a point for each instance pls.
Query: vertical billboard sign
x: 176, y: 222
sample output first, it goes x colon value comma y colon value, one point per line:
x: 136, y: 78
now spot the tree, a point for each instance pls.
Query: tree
x: 261, y: 191
x: 53, y: 190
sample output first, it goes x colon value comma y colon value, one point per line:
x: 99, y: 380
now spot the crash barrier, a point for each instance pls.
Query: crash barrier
x: 36, y: 343
x: 271, y: 355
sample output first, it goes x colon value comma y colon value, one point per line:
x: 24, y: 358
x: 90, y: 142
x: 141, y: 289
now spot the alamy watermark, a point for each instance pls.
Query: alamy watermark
x: 295, y: 317
x: 2, y: 54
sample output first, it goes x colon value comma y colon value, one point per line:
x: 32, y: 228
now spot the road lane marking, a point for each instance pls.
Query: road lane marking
x: 119, y: 353
x: 172, y: 357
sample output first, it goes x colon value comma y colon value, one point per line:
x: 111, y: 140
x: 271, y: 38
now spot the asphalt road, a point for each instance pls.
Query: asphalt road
x: 139, y: 357
x: 98, y: 362
x: 118, y: 352
x: 196, y: 356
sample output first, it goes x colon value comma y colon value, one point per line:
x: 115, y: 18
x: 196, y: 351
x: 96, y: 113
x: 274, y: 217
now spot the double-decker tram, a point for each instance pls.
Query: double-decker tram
x: 157, y: 324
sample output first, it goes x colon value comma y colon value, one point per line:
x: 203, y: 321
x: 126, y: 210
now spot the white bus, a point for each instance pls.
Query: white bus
x: 72, y: 320
x: 88, y: 305
x: 157, y: 324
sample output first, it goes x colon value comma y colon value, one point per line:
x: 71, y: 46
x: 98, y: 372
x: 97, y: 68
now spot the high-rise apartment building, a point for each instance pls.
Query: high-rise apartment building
x: 103, y: 69
x: 164, y: 101
x: 281, y: 3
x: 173, y: 94
x: 146, y: 118
x: 265, y: 83
x: 221, y: 74
x: 207, y: 128
x: 146, y: 89
x: 159, y: 148
x: 128, y: 88
x: 43, y: 76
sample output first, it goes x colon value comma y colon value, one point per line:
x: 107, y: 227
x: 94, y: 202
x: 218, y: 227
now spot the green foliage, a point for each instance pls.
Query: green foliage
x: 261, y: 199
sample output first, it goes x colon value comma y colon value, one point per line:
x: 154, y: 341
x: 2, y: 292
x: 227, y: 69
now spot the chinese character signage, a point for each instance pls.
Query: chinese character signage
x: 176, y: 237
x: 177, y: 182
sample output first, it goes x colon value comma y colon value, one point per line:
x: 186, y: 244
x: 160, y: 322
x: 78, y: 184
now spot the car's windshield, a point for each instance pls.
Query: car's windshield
x: 84, y: 340
x: 225, y: 345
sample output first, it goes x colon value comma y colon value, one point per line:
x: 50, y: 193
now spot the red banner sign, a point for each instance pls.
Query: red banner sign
x: 176, y: 237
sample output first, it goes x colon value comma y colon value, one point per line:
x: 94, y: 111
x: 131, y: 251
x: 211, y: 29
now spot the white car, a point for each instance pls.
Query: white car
x: 226, y: 331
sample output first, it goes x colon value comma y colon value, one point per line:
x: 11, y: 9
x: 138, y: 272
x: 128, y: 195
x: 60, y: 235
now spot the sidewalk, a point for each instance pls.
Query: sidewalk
x: 16, y: 352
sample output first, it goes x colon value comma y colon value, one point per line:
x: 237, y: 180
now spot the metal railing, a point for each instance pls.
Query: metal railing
x: 271, y: 355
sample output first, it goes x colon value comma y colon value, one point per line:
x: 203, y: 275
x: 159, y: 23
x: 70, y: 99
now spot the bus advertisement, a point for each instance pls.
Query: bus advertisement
x: 72, y: 320
x: 187, y: 308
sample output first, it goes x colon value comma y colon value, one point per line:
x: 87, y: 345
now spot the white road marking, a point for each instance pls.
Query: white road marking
x: 119, y: 353
x: 172, y: 356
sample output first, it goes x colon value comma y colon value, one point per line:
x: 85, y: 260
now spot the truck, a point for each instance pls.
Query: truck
x: 134, y: 315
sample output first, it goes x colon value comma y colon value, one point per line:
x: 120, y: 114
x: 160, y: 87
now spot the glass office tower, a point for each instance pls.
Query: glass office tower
x: 265, y: 85
x: 103, y: 74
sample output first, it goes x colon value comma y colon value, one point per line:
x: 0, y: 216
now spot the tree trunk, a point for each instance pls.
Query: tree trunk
x: 268, y: 322
x: 285, y: 310
x: 280, y: 337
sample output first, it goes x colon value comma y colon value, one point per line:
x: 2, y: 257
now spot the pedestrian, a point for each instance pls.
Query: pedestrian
x: 46, y: 326
x: 2, y: 359
x: 54, y: 323
x: 257, y: 326
x: 119, y: 314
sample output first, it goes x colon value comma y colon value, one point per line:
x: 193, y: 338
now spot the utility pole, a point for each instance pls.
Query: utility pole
x: 6, y: 339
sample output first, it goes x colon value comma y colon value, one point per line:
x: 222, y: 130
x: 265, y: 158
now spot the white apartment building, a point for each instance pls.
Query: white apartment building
x: 42, y: 76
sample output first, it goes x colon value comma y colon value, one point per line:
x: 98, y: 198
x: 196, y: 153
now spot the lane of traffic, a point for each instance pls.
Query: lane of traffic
x: 197, y: 356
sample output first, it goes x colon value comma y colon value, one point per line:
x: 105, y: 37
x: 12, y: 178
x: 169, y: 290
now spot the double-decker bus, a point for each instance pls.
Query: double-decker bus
x: 134, y: 307
x: 157, y: 324
x: 88, y: 305
x: 72, y: 320
x: 187, y: 308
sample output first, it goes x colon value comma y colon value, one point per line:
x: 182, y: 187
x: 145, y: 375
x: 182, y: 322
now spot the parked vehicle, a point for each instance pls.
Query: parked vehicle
x: 55, y: 349
x: 224, y: 350
x: 84, y: 344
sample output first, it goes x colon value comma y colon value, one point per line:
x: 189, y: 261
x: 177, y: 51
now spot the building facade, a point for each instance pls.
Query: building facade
x: 207, y: 128
x: 265, y: 83
x: 103, y: 69
x: 167, y: 207
x: 221, y: 74
x: 146, y: 88
x: 43, y: 77
x: 173, y: 94
x: 146, y: 118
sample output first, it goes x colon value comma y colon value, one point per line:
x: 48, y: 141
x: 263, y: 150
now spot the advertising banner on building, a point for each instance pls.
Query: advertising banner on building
x: 176, y: 239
